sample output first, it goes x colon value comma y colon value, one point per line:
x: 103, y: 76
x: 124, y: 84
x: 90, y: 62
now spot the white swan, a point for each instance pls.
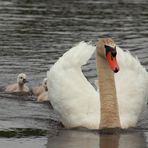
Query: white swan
x: 19, y: 86
x: 80, y: 105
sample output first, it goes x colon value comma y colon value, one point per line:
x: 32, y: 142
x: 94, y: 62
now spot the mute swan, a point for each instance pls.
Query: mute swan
x: 19, y: 86
x: 119, y: 99
x: 41, y: 91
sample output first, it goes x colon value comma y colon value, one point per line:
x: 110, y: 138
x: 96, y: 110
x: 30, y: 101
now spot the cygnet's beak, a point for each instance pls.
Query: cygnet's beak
x: 25, y: 81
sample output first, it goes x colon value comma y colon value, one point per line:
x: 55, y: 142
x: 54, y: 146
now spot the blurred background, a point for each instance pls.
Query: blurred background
x: 34, y: 34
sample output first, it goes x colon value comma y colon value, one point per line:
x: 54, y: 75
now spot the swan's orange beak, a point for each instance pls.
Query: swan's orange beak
x: 111, y: 58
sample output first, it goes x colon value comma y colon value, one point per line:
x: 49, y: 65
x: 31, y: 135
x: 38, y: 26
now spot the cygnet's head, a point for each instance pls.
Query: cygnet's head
x: 44, y: 84
x: 22, y: 78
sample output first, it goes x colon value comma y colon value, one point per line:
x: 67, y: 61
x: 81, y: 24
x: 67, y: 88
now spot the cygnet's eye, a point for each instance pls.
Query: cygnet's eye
x: 21, y: 77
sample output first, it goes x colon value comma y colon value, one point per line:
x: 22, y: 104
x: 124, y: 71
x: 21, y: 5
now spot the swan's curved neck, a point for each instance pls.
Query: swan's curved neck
x: 108, y: 98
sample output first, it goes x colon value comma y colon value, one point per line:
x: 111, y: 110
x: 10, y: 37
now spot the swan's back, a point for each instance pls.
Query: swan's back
x: 71, y: 95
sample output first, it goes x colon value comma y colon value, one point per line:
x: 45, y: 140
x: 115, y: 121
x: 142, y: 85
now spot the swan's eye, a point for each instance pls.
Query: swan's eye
x: 21, y: 77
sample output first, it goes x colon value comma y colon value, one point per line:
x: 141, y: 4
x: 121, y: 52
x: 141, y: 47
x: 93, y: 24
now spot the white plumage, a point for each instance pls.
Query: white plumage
x: 76, y: 100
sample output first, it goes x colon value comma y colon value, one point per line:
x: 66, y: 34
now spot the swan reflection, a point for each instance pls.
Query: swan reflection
x: 83, y: 139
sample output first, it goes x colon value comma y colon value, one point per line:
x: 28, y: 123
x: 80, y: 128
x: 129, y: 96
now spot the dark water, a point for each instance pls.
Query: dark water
x: 33, y: 35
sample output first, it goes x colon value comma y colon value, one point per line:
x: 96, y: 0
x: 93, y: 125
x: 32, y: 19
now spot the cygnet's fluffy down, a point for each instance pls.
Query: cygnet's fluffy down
x: 20, y: 86
x: 41, y: 91
x: 43, y: 96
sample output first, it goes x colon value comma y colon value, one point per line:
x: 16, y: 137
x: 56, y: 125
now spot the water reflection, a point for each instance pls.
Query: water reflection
x: 83, y: 139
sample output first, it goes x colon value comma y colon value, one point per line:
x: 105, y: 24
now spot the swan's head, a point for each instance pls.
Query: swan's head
x: 106, y: 48
x: 44, y: 84
x: 22, y: 78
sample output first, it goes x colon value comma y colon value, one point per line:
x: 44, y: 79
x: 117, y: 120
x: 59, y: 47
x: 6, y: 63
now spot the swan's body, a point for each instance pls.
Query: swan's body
x: 76, y: 100
x: 41, y: 91
x: 20, y: 86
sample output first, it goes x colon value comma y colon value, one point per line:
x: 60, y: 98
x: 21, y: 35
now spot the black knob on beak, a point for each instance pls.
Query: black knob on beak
x: 114, y: 53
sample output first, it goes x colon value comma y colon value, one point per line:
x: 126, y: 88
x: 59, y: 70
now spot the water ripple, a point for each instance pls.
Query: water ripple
x: 34, y: 34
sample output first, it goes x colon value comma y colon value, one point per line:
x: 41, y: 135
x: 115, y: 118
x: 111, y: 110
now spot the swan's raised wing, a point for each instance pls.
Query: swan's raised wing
x: 131, y: 86
x: 71, y: 95
x: 77, y: 56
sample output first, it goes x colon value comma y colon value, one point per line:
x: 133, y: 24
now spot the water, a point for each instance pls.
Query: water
x: 34, y: 34
x: 83, y: 139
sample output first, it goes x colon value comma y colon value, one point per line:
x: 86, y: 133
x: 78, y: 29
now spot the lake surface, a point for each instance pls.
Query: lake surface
x: 33, y: 35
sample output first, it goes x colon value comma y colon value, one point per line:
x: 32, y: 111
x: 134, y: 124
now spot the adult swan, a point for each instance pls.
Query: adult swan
x: 120, y: 97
